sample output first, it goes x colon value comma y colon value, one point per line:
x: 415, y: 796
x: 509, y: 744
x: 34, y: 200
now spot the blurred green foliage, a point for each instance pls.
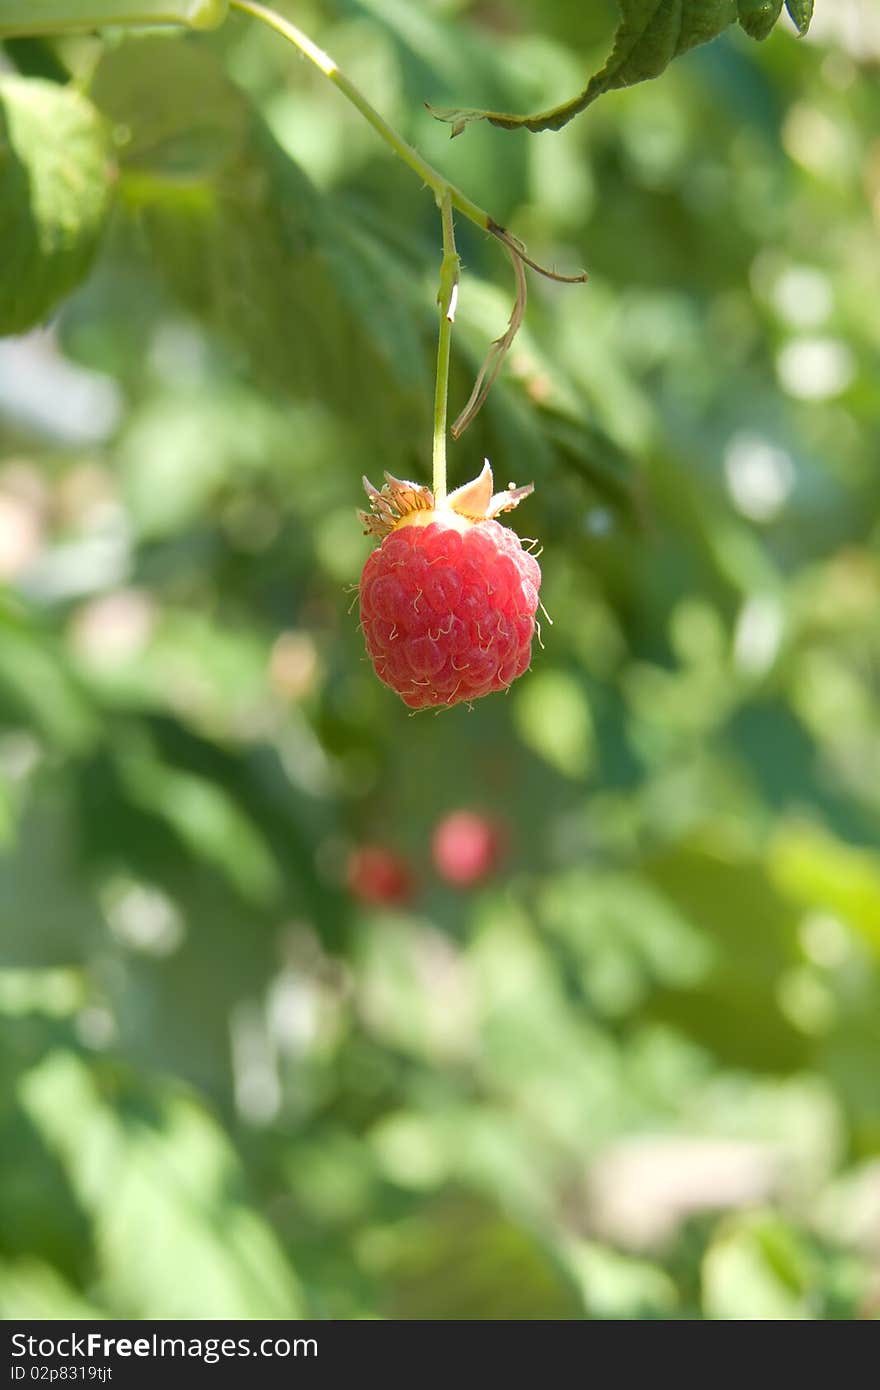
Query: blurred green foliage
x: 636, y: 1073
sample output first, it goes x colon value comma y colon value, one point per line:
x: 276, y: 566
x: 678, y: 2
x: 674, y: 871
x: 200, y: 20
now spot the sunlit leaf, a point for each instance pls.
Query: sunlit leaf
x: 761, y: 1267
x: 757, y: 17
x: 35, y: 682
x: 55, y: 184
x: 620, y: 1286
x: 174, y: 1180
x: 817, y: 870
x: 57, y: 16
x: 553, y: 718
x: 801, y: 12
x: 30, y: 1288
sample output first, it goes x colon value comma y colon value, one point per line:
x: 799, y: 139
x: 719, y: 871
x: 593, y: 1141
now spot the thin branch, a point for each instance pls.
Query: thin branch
x: 515, y: 246
x: 488, y: 373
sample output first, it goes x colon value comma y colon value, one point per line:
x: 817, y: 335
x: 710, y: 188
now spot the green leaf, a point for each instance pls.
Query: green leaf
x: 36, y: 57
x: 553, y: 719
x: 734, y: 1008
x: 206, y: 819
x: 37, y: 688
x: 461, y: 1259
x: 316, y: 304
x: 623, y: 937
x: 759, y: 1267
x: 48, y: 911
x: 156, y: 1173
x: 30, y: 1288
x: 58, y: 16
x: 814, y: 868
x: 650, y: 34
x: 801, y: 12
x: 757, y: 17
x: 177, y: 131
x: 182, y: 449
x: 618, y: 1285
x: 598, y: 460
x: 55, y: 182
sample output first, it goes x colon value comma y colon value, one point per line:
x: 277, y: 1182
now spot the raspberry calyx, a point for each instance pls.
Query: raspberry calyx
x: 448, y: 599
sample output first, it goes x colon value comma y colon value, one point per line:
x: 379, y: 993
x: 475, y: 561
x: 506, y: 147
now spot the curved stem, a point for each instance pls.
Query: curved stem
x: 488, y: 373
x: 448, y: 197
x: 447, y: 296
x: 325, y: 64
x: 516, y: 249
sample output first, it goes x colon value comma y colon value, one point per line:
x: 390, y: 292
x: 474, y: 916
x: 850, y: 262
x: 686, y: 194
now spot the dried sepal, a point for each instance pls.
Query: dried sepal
x: 508, y: 499
x: 474, y: 501
x: 373, y: 525
x: 478, y: 502
x: 408, y: 497
x: 396, y: 499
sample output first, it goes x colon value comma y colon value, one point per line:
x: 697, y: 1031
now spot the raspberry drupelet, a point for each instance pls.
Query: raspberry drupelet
x: 448, y: 600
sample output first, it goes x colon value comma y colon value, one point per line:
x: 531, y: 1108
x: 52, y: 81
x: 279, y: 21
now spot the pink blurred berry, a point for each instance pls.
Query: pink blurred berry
x: 467, y: 848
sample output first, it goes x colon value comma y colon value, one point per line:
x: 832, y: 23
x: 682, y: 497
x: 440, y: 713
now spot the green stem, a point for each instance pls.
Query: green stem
x: 447, y: 296
x: 448, y: 197
x: 440, y: 186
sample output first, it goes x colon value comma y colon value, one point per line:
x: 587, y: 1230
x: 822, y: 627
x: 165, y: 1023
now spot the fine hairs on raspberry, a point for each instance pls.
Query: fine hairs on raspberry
x: 448, y: 599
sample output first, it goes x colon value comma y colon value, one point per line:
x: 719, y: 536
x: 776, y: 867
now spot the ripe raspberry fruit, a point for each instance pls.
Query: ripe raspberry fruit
x: 448, y: 599
x: 466, y: 847
x: 378, y: 876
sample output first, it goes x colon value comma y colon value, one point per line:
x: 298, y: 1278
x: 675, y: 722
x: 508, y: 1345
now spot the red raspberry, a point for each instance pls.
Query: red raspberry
x: 466, y: 847
x: 447, y: 600
x: 378, y: 876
